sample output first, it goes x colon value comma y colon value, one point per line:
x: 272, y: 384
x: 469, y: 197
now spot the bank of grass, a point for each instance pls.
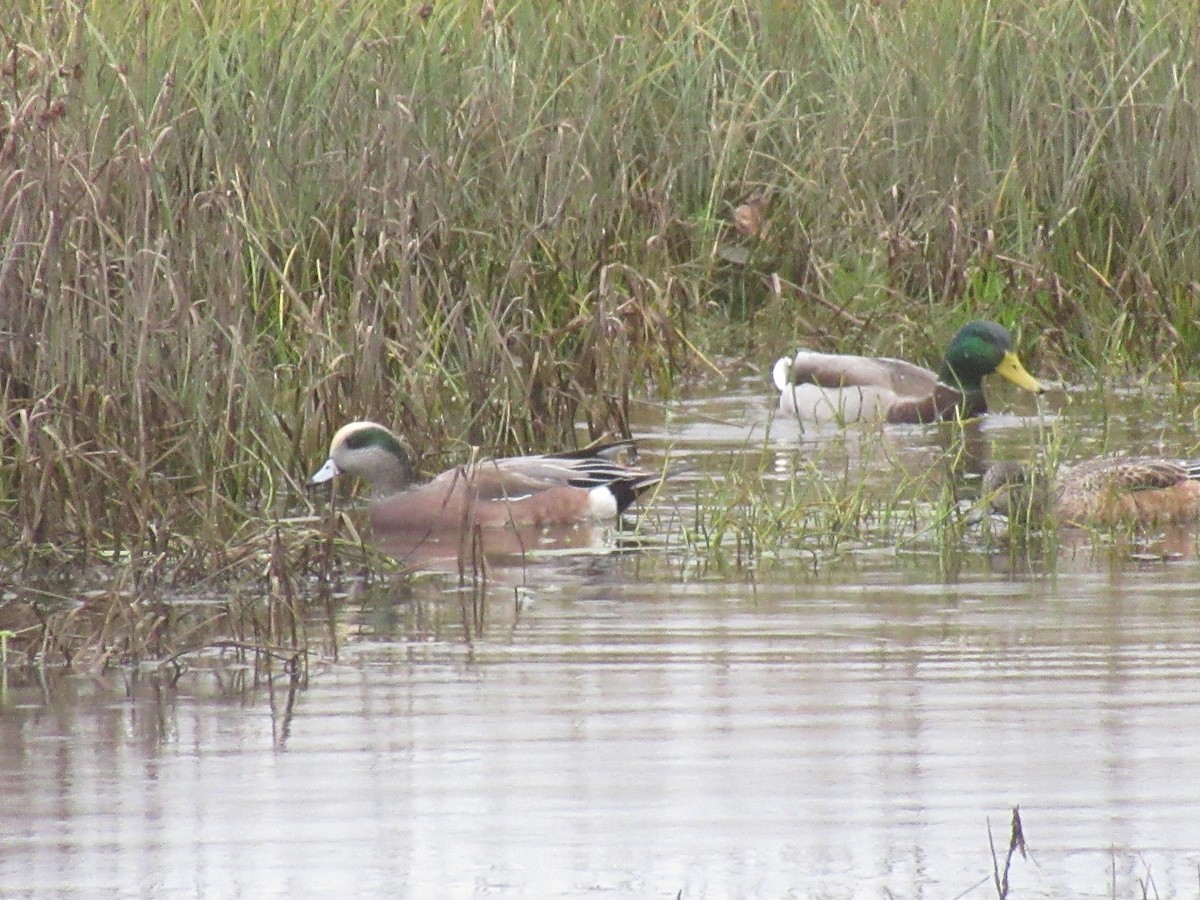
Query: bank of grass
x: 227, y: 227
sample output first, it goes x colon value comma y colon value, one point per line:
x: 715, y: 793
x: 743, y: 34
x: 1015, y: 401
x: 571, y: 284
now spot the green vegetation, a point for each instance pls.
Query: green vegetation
x: 227, y: 227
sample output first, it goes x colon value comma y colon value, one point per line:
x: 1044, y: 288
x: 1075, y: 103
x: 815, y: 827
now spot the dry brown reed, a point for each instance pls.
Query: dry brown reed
x: 226, y: 228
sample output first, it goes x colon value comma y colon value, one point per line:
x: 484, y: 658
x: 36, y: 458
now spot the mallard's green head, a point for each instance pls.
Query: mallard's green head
x: 979, y: 349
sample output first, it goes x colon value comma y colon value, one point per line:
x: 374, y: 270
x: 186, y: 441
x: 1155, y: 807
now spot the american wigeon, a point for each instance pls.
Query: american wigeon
x: 830, y: 388
x: 1105, y: 491
x: 553, y: 489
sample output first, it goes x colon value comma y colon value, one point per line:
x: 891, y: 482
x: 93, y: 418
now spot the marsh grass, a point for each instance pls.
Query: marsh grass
x: 226, y: 228
x: 860, y: 494
x: 823, y: 504
x: 266, y: 603
x: 100, y: 629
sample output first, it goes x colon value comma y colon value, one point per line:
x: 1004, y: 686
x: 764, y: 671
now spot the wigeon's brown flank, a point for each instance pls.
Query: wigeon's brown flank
x: 1105, y: 491
x: 552, y: 489
x: 828, y: 388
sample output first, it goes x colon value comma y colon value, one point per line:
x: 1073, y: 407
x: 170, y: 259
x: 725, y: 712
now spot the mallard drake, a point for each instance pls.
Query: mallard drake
x: 821, y: 388
x: 554, y: 489
x: 1106, y: 491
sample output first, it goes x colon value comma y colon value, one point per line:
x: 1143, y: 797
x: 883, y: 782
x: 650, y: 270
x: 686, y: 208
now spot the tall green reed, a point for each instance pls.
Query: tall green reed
x: 228, y: 227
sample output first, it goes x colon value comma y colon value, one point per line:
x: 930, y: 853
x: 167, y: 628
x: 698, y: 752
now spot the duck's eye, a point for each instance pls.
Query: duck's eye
x: 356, y: 440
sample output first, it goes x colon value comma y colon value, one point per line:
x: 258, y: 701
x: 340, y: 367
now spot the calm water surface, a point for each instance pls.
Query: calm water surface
x: 658, y: 723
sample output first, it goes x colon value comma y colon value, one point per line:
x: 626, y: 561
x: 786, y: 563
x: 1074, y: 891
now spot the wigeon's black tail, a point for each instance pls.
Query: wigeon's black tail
x: 628, y: 489
x: 594, y: 467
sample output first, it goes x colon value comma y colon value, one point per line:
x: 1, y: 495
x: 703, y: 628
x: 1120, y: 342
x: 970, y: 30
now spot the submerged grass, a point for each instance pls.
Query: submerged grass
x: 817, y: 505
x: 227, y: 227
x: 863, y: 495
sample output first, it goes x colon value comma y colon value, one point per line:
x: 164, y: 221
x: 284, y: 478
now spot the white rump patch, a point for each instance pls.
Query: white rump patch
x: 602, y: 503
x: 781, y: 374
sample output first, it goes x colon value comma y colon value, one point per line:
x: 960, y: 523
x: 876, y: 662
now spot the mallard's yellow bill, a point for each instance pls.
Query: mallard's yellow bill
x: 1011, y: 369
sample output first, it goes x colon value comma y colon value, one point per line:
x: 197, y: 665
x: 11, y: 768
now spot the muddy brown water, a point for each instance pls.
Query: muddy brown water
x: 631, y: 719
